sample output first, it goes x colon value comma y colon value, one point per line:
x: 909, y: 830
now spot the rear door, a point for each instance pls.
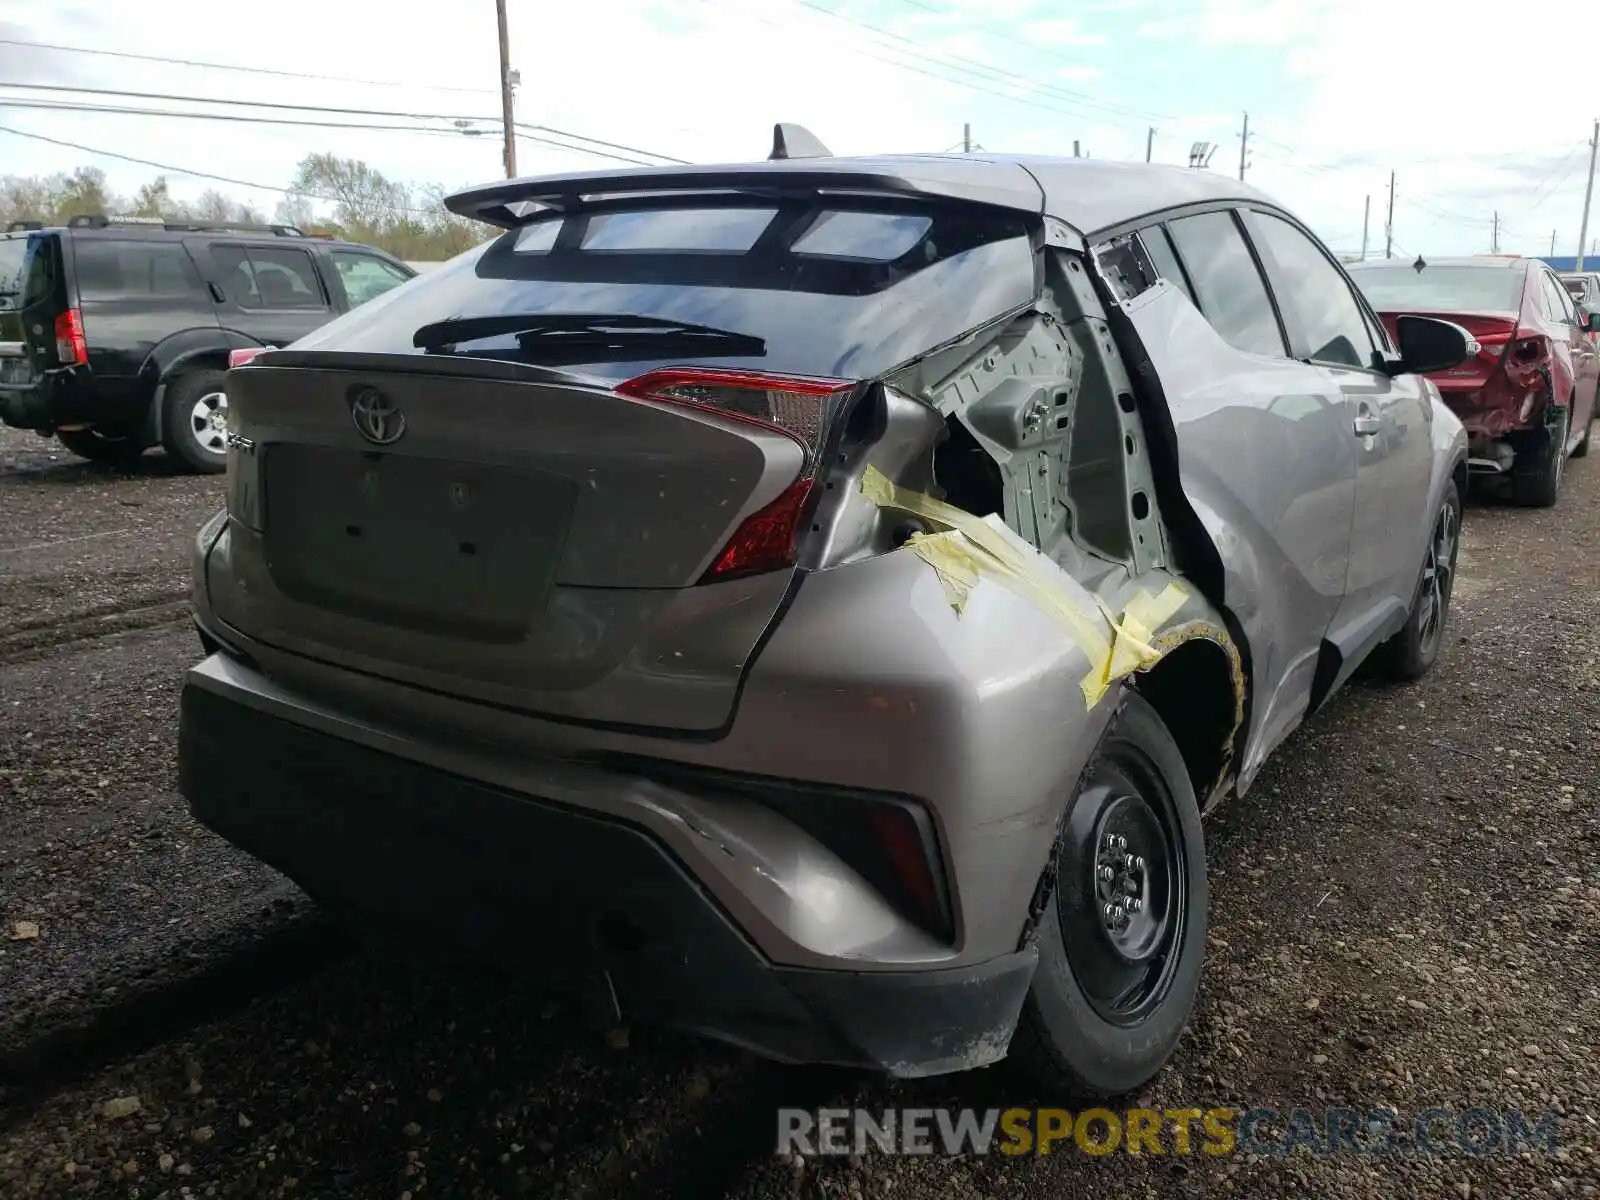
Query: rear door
x: 1266, y: 454
x: 587, y: 510
x: 133, y: 293
x: 270, y: 293
x: 1390, y: 425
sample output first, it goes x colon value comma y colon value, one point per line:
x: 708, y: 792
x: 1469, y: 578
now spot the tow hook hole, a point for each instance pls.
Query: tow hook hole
x: 353, y: 530
x: 1125, y: 402
x: 621, y: 934
x: 1141, y: 506
x: 469, y: 548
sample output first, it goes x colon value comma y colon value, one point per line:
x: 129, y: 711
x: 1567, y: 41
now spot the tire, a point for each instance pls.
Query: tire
x: 1411, y: 653
x: 1070, y: 1036
x: 192, y: 412
x: 1539, y: 485
x: 109, y: 448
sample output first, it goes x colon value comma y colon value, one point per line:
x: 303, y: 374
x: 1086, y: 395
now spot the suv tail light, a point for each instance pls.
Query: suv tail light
x: 797, y: 406
x: 239, y: 358
x: 72, y: 350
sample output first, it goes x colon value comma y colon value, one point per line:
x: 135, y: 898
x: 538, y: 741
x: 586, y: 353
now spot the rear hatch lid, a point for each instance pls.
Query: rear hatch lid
x: 566, y: 472
x: 32, y: 296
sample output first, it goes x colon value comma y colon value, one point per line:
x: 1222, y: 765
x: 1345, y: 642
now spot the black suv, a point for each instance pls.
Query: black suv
x: 115, y: 333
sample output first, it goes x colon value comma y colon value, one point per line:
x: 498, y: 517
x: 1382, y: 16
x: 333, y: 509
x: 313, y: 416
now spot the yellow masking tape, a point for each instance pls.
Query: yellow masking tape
x: 969, y: 548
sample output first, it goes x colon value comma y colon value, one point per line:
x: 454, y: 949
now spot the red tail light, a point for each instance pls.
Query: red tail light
x: 72, y: 350
x: 795, y: 405
x: 767, y: 540
x: 239, y: 358
x: 800, y: 407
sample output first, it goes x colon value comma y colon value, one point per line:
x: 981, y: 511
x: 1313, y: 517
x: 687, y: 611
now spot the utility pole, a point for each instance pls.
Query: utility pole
x: 1552, y: 243
x: 1075, y: 153
x: 1588, y: 194
x: 1244, y: 145
x: 1366, y: 225
x: 1149, y: 143
x: 506, y: 114
x: 1494, y: 238
x: 966, y: 139
x: 1388, y: 226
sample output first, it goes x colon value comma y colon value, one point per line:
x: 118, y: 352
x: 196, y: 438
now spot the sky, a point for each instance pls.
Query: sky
x: 1340, y: 93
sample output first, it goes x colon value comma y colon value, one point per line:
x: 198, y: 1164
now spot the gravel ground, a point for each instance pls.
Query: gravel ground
x: 1404, y: 916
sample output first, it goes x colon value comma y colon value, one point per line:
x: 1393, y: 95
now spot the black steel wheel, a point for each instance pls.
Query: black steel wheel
x: 1121, y: 943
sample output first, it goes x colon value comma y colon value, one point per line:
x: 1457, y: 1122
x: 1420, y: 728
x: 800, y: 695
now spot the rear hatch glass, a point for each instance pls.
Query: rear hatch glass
x: 464, y: 485
x: 827, y: 289
x: 1442, y: 289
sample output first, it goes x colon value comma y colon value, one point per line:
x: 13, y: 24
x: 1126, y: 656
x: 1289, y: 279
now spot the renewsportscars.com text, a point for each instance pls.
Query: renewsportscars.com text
x: 1445, y: 1132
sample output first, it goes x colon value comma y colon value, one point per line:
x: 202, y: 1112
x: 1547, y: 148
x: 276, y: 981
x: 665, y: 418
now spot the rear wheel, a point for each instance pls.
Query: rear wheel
x: 1122, y: 939
x: 102, y: 447
x: 1412, y: 652
x: 1541, y: 461
x: 195, y: 420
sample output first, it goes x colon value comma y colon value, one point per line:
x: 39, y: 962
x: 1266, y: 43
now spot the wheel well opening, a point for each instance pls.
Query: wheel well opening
x: 967, y: 473
x: 1192, y: 689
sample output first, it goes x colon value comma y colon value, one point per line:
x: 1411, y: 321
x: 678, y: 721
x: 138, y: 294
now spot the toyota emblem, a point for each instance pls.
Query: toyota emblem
x: 377, y: 418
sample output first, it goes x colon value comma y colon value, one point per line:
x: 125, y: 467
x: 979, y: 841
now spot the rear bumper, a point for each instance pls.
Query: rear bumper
x: 64, y: 397
x: 593, y: 907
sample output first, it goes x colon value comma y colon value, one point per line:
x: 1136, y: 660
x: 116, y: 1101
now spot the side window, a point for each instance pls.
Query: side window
x: 1230, y: 289
x: 286, y: 278
x: 1306, y: 282
x: 1165, y: 260
x: 365, y: 276
x: 269, y: 277
x: 115, y: 270
x: 1560, y: 303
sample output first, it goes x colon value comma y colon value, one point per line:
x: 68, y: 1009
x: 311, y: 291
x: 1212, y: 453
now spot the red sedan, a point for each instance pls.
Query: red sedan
x: 1527, y: 398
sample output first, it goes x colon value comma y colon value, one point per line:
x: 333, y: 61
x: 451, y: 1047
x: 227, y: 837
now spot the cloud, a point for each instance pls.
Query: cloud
x: 1339, y: 94
x: 1061, y: 31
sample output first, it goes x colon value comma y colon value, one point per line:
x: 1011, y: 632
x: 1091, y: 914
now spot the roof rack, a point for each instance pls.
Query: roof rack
x: 101, y: 221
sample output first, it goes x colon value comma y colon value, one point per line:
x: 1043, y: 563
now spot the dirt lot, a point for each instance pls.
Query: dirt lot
x: 1405, y: 914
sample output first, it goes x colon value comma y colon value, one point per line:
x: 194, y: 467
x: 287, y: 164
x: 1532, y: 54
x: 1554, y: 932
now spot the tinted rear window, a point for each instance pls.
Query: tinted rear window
x: 831, y: 289
x: 1441, y: 289
x: 113, y: 270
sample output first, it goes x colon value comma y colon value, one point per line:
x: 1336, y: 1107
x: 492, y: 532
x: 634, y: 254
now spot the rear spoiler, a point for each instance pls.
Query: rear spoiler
x: 800, y: 172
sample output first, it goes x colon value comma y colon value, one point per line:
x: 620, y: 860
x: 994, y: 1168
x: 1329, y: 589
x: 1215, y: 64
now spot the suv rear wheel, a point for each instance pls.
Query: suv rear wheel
x: 1122, y: 938
x: 108, y: 447
x: 194, y: 420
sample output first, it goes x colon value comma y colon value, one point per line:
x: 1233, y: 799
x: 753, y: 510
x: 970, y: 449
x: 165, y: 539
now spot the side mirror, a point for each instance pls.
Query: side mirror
x: 1428, y: 344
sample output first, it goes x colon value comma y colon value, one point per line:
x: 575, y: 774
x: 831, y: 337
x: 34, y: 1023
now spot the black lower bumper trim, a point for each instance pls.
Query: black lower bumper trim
x: 596, y: 909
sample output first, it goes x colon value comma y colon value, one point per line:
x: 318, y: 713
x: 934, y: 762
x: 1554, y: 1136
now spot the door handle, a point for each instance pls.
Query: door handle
x: 216, y: 293
x: 1367, y: 423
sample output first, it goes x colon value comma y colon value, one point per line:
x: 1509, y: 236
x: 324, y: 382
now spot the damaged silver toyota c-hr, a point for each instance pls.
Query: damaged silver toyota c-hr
x: 812, y: 602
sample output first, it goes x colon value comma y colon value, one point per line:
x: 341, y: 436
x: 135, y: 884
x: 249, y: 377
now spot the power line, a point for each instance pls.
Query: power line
x: 997, y: 74
x: 302, y: 123
x: 335, y: 110
x: 190, y: 62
